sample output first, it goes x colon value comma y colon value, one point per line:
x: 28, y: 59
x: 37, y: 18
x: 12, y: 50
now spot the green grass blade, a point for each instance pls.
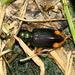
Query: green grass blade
x: 69, y: 19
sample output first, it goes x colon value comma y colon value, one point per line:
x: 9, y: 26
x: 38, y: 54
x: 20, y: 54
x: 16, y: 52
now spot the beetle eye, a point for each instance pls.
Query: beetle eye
x: 21, y: 35
x: 26, y: 35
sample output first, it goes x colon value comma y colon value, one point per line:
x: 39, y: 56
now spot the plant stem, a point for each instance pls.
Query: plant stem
x: 69, y: 19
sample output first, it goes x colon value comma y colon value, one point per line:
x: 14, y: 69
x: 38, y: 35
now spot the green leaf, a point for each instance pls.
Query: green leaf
x: 5, y: 2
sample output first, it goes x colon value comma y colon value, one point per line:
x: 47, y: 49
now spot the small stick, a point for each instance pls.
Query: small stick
x: 41, y: 20
x: 36, y: 59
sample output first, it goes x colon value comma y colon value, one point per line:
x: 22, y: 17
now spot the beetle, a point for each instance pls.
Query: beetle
x: 43, y: 37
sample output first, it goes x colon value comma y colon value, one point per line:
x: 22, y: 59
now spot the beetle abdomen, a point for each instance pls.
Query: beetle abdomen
x: 45, y: 38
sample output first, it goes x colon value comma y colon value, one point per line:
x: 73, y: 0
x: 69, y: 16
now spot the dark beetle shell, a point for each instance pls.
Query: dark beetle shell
x: 45, y: 38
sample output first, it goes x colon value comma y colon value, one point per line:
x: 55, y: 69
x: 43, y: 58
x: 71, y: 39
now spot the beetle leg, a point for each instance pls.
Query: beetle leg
x: 37, y: 50
x: 28, y: 44
x: 56, y: 45
x: 59, y: 33
x: 69, y: 36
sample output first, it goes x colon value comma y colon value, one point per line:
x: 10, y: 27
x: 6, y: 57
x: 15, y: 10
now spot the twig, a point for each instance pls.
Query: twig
x: 41, y: 20
x: 4, y: 52
x: 15, y: 56
x: 2, y: 62
x: 69, y: 63
x: 43, y: 13
x: 8, y: 65
x: 39, y: 53
x: 22, y: 13
x: 58, y: 59
x: 2, y: 13
x: 30, y: 57
x: 36, y: 59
